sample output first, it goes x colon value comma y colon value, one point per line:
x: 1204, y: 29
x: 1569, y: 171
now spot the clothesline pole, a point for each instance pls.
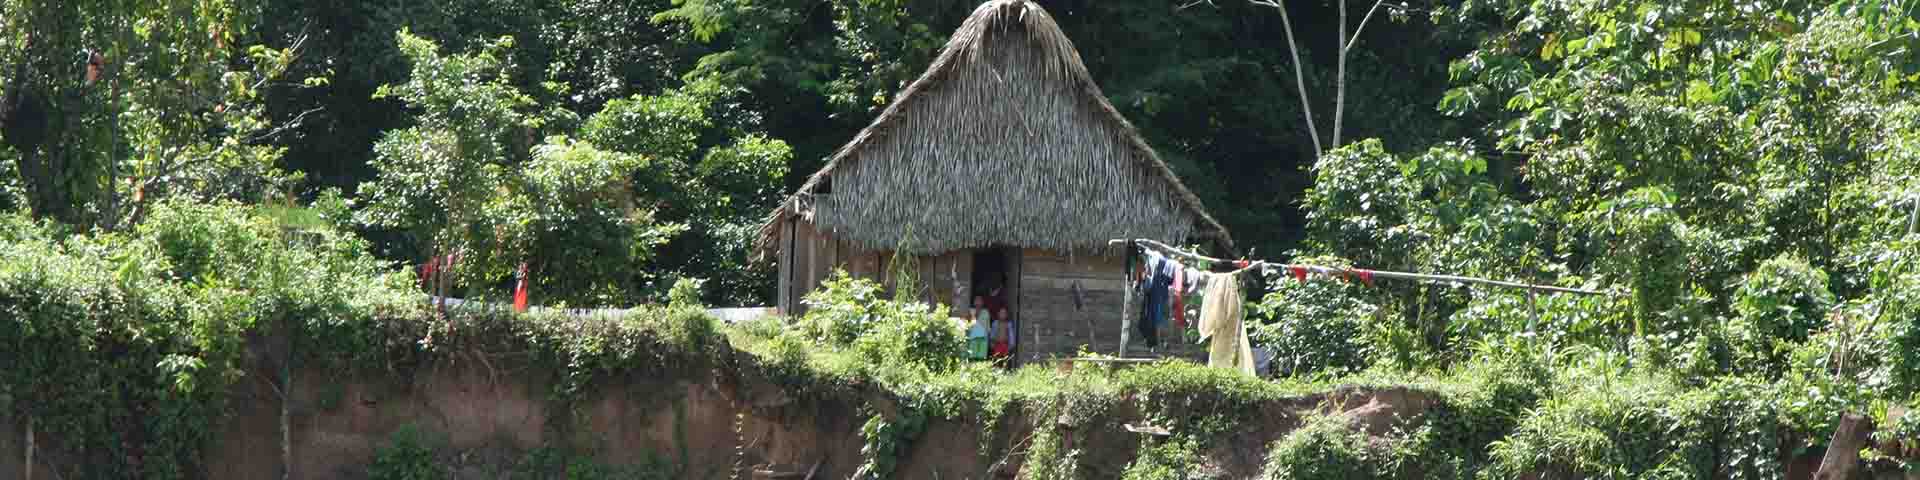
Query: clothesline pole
x: 1164, y: 248
x: 1126, y: 287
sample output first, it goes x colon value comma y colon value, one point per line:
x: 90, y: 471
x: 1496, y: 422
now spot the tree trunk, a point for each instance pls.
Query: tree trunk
x: 1843, y: 452
x: 1300, y: 80
x: 286, y: 404
x: 1340, y: 77
x: 45, y: 198
x: 29, y: 465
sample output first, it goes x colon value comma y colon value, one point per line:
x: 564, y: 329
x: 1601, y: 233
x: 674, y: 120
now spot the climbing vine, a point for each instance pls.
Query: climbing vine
x: 889, y: 441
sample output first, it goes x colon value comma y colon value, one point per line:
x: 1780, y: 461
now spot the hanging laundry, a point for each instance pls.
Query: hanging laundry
x: 1155, y: 280
x: 1196, y: 281
x: 1221, y: 322
x: 977, y: 335
x: 1366, y: 276
x: 1179, y: 298
x: 1299, y: 272
x: 426, y: 273
x: 520, y: 290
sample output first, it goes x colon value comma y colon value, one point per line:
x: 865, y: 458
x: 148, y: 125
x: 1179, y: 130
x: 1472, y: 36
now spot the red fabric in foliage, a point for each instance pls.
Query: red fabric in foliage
x: 520, y: 291
x: 427, y: 270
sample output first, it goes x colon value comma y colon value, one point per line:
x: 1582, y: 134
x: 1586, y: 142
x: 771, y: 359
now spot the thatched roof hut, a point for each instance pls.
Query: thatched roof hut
x: 1009, y: 171
x: 1005, y: 140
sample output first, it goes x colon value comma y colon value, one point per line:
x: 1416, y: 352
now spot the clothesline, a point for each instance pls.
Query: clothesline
x: 1353, y: 272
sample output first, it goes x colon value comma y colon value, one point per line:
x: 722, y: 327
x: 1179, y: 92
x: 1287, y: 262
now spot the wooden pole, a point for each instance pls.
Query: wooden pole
x: 29, y: 465
x: 1377, y: 273
x: 1126, y: 294
x: 286, y: 403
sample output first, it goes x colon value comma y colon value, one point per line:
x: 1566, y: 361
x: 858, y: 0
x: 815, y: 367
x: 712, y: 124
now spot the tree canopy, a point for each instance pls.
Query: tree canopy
x: 1745, y: 174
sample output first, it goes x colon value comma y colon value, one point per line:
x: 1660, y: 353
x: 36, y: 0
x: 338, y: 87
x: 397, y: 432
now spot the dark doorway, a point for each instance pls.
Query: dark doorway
x: 989, y: 271
x: 995, y: 283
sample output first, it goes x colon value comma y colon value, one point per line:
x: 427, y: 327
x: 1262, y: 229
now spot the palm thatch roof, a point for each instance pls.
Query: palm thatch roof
x: 1004, y: 141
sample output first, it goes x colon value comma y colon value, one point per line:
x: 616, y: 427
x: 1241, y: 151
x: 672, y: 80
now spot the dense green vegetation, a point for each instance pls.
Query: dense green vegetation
x: 186, y: 182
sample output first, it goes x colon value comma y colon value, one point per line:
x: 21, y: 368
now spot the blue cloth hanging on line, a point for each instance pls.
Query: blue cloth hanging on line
x: 1157, y: 301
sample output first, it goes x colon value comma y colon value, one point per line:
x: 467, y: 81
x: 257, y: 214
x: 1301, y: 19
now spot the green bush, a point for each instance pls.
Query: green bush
x: 1898, y: 302
x: 913, y: 334
x: 1607, y: 422
x: 133, y: 340
x: 888, y: 441
x: 1898, y: 438
x: 1175, y: 459
x: 1325, y: 448
x: 1482, y: 401
x: 1779, y: 306
x: 408, y: 455
x: 1314, y: 328
x: 848, y: 313
x: 841, y: 310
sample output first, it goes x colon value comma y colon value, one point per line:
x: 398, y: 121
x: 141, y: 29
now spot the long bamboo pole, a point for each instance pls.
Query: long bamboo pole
x: 1375, y: 273
x: 1126, y: 302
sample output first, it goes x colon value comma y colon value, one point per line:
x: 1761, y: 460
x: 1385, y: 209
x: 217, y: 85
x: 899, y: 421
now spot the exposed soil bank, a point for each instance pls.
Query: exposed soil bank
x: 490, y: 414
x: 705, y: 422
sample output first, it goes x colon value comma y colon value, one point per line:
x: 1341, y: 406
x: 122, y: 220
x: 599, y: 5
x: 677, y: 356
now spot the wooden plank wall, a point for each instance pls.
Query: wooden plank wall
x: 1050, y: 324
x: 945, y: 278
x: 783, y: 298
x: 1042, y: 282
x: 817, y: 255
x: 807, y: 258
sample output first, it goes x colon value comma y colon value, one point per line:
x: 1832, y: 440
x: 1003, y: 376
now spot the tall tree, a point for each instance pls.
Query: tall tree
x: 113, y: 104
x: 1343, y: 44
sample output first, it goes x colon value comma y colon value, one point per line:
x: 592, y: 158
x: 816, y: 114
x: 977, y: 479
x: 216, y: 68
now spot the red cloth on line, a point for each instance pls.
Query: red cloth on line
x: 1366, y: 276
x: 1299, y: 272
x: 426, y: 271
x: 1179, y: 298
x: 520, y: 291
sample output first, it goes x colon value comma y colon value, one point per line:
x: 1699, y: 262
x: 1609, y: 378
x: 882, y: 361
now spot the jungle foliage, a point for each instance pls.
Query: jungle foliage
x: 186, y: 179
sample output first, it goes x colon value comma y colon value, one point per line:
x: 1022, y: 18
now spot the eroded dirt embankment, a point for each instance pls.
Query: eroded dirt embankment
x: 488, y: 415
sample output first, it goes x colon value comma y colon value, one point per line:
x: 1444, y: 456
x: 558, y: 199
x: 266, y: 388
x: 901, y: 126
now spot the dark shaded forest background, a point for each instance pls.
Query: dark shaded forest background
x: 1210, y: 85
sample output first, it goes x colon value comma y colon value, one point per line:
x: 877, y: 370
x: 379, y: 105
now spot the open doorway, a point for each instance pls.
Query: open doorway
x: 995, y: 284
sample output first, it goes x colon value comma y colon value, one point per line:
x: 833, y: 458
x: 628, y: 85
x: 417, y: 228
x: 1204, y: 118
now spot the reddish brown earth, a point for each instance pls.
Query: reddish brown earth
x: 490, y: 418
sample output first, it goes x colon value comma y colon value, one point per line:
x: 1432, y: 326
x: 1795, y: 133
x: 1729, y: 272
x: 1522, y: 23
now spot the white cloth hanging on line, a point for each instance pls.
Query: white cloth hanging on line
x: 1222, y: 323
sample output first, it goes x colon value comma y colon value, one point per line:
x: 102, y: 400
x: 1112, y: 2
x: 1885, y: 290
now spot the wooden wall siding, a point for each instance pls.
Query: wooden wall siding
x: 1052, y: 327
x: 955, y: 269
x: 809, y: 259
x: 1042, y: 281
x: 944, y: 280
x: 936, y: 273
